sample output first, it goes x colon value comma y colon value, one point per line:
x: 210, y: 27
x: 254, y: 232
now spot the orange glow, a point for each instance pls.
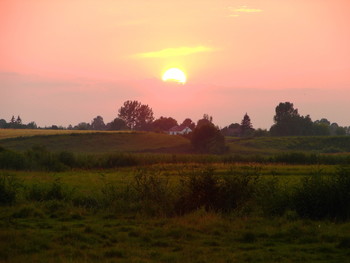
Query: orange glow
x: 101, y: 53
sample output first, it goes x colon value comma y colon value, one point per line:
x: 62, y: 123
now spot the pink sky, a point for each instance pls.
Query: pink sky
x: 64, y: 62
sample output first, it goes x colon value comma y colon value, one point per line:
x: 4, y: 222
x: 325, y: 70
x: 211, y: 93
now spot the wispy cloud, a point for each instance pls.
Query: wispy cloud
x: 247, y: 10
x: 174, y: 52
x: 243, y: 9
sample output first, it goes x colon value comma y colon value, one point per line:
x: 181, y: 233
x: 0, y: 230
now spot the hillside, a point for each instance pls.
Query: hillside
x: 273, y: 145
x: 125, y: 141
x: 95, y: 142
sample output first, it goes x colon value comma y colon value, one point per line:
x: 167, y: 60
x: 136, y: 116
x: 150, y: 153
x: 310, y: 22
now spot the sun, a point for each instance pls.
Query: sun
x: 174, y: 74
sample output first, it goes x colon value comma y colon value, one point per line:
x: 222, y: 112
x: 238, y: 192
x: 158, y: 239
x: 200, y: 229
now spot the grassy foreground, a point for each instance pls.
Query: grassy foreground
x: 117, y: 197
x: 114, y: 216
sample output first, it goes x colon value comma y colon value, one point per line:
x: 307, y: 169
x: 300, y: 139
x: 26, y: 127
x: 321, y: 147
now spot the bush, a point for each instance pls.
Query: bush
x: 67, y: 158
x: 208, y: 139
x: 56, y: 191
x: 8, y: 189
x: 41, y: 159
x: 12, y: 160
x: 226, y: 194
x: 154, y: 192
x: 119, y: 160
x: 272, y: 198
x: 320, y: 196
x: 198, y: 190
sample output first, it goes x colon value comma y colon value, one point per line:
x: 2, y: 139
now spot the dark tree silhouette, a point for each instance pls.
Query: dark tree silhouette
x: 288, y: 122
x: 98, y: 123
x: 80, y: 126
x: 136, y: 115
x: 246, y: 126
x: 188, y: 123
x: 206, y: 120
x: 164, y: 124
x: 207, y: 138
x: 19, y: 120
x: 3, y: 123
x: 285, y: 112
x: 116, y: 125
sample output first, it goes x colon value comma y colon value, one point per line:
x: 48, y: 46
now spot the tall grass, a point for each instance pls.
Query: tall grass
x: 38, y: 158
x: 156, y: 193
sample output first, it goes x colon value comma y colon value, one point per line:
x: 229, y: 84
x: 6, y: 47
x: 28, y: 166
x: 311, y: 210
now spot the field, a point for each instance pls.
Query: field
x: 199, y: 210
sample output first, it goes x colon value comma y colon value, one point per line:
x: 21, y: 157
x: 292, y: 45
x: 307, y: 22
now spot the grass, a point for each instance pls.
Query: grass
x: 126, y: 141
x: 14, y: 133
x: 275, y: 145
x: 95, y: 142
x: 197, y: 237
x: 124, y: 213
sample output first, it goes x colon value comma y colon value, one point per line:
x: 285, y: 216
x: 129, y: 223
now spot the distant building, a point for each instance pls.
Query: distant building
x: 179, y: 130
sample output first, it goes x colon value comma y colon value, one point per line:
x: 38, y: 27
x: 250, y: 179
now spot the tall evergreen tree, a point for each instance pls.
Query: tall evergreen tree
x: 246, y: 126
x: 19, y: 120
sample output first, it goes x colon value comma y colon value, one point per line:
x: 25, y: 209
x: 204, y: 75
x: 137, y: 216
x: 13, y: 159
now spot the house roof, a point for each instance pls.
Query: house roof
x: 178, y: 128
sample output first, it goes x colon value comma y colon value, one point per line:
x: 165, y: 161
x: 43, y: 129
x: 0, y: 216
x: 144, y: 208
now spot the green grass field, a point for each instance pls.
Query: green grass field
x: 126, y: 141
x: 93, y: 142
x: 135, y: 213
x: 60, y: 230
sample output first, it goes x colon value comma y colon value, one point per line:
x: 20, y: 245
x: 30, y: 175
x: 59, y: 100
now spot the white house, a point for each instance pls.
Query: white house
x: 179, y: 130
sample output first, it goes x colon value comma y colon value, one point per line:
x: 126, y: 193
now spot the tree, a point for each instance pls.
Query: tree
x: 98, y: 123
x: 19, y: 120
x: 285, y: 112
x: 3, y: 124
x: 288, y: 122
x: 206, y: 120
x: 188, y: 123
x: 32, y: 125
x: 208, y: 139
x: 164, y: 123
x: 260, y: 133
x: 116, y: 125
x: 13, y: 120
x: 246, y: 126
x: 234, y: 129
x: 136, y: 115
x: 322, y: 127
x: 81, y: 126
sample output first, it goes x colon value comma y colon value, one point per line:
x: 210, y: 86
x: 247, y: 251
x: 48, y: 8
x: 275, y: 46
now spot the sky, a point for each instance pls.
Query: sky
x: 67, y: 61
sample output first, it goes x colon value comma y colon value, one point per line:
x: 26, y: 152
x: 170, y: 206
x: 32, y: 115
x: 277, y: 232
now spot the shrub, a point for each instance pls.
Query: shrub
x: 199, y: 189
x: 272, y: 198
x: 154, y: 192
x: 8, y: 189
x: 12, y: 160
x: 208, y: 139
x: 205, y: 189
x: 321, y: 196
x: 67, y: 158
x: 119, y: 160
x: 41, y: 159
x: 56, y: 191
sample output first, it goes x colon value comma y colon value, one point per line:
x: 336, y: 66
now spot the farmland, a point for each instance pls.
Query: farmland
x: 171, y: 208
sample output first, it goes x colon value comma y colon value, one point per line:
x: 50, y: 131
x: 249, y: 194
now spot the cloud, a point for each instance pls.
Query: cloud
x: 247, y: 10
x: 243, y: 9
x: 174, y: 52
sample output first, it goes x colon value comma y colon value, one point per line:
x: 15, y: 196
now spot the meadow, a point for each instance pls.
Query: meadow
x: 149, y: 204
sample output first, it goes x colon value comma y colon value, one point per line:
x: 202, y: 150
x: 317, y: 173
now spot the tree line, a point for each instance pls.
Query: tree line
x: 133, y: 115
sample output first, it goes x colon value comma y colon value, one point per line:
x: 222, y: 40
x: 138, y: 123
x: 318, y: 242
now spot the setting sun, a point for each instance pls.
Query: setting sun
x: 174, y: 74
